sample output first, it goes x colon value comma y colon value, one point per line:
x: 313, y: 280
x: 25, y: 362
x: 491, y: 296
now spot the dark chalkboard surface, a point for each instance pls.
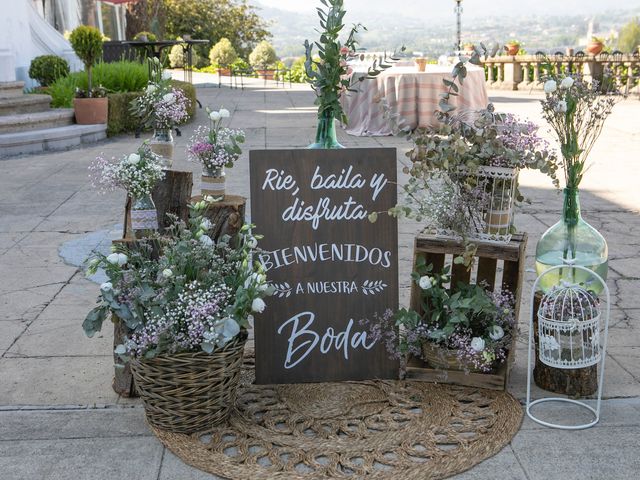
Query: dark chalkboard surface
x: 330, y: 265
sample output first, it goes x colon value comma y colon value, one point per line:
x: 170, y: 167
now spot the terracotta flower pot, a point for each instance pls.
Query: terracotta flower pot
x: 422, y: 64
x: 512, y: 48
x: 225, y: 72
x: 266, y: 74
x: 90, y: 111
x: 594, y: 48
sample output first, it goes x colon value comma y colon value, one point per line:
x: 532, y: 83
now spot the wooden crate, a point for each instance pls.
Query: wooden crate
x: 500, y: 266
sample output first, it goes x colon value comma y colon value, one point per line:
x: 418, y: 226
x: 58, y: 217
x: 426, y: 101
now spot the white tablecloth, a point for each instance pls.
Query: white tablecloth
x: 413, y: 94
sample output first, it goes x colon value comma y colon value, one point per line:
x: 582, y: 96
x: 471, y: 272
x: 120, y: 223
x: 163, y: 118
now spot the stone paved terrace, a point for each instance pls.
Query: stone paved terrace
x: 58, y: 413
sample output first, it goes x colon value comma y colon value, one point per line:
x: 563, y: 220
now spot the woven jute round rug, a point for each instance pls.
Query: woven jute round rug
x: 375, y: 429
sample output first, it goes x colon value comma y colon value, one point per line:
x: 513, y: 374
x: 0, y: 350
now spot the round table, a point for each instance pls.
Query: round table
x: 412, y: 94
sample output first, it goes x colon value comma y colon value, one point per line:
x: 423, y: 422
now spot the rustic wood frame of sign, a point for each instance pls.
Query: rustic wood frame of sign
x: 356, y: 258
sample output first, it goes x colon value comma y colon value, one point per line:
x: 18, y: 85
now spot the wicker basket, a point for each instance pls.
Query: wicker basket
x: 444, y: 359
x: 189, y: 392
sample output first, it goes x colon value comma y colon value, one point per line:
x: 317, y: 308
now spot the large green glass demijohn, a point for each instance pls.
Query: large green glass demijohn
x: 326, y: 137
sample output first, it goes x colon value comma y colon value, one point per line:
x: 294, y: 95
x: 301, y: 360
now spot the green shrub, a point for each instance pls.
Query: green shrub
x: 150, y: 37
x: 46, y: 69
x: 296, y: 74
x: 240, y: 65
x: 263, y: 56
x: 177, y: 57
x: 87, y: 43
x: 122, y: 76
x: 223, y: 53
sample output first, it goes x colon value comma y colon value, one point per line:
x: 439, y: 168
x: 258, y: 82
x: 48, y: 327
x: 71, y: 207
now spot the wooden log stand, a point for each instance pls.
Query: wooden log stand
x: 172, y: 195
x: 500, y: 266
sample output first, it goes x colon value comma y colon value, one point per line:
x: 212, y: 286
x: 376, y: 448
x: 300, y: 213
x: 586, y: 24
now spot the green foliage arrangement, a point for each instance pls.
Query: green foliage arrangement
x: 87, y: 43
x: 223, y: 53
x: 46, y: 69
x: 263, y: 56
x: 212, y: 20
x: 629, y: 37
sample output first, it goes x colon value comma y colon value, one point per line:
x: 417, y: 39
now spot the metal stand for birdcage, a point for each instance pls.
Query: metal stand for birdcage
x: 601, y: 348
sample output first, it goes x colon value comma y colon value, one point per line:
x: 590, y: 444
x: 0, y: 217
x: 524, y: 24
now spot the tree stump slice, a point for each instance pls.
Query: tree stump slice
x: 575, y: 383
x: 123, y: 378
x: 227, y: 216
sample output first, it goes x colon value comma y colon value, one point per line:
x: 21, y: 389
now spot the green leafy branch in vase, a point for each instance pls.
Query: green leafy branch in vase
x: 329, y: 74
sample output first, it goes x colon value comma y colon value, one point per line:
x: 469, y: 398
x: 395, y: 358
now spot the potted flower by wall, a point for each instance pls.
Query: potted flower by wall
x: 512, y: 47
x: 187, y: 303
x: 262, y: 59
x: 222, y: 55
x: 215, y: 147
x: 92, y: 106
x: 595, y: 46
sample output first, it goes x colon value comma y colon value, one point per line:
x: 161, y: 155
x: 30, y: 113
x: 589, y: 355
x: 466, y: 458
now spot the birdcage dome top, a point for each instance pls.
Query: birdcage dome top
x: 569, y: 303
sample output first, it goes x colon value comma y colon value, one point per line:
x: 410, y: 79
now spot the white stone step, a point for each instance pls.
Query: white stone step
x: 11, y: 89
x: 24, y: 104
x: 22, y: 122
x: 61, y: 138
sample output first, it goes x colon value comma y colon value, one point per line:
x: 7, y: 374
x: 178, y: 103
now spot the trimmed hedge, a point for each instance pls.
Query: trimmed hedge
x: 121, y: 120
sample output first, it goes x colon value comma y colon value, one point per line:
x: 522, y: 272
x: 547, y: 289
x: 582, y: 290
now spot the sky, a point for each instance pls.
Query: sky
x: 472, y: 8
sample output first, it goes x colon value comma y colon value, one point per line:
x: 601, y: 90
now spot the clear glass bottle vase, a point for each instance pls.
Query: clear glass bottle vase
x: 326, y: 137
x: 144, y: 216
x: 162, y: 144
x: 213, y: 183
x: 572, y: 241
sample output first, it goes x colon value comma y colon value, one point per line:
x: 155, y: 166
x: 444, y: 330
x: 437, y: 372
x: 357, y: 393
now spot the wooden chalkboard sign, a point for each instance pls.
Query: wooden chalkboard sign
x: 330, y: 265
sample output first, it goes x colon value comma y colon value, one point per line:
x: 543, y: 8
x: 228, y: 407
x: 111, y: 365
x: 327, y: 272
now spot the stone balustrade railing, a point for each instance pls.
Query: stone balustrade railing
x: 525, y: 72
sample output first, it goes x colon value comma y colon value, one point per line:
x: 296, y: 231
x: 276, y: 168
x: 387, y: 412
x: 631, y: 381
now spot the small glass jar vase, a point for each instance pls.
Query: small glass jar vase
x: 213, y: 183
x: 144, y: 216
x: 572, y: 241
x: 162, y: 144
x: 326, y: 137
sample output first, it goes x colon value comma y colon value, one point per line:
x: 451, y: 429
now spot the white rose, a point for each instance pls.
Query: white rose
x: 477, y: 344
x: 206, y: 224
x: 167, y: 273
x: 252, y: 242
x: 215, y: 116
x: 169, y: 98
x: 224, y: 113
x: 561, y: 107
x: 122, y: 259
x: 258, y: 305
x: 206, y: 240
x: 113, y: 259
x: 151, y: 88
x: 550, y: 86
x: 425, y: 282
x: 133, y: 159
x: 567, y: 82
x: 496, y: 332
x: 166, y: 75
x: 106, y: 286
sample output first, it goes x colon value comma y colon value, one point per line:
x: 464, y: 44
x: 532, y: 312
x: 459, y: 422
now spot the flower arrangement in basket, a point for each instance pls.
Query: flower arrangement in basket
x: 161, y: 107
x: 215, y: 147
x: 464, y: 327
x: 463, y: 172
x: 187, y: 303
x: 137, y: 173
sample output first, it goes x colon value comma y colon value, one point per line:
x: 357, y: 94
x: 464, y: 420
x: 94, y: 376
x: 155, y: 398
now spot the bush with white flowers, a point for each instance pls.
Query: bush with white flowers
x: 181, y: 292
x: 215, y: 146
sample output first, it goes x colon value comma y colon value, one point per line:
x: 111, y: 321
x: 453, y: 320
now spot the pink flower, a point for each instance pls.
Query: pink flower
x: 344, y: 51
x: 343, y: 63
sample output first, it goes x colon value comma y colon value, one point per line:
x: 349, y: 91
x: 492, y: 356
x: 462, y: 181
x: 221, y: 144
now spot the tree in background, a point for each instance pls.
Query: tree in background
x: 216, y: 19
x: 146, y: 16
x: 629, y: 38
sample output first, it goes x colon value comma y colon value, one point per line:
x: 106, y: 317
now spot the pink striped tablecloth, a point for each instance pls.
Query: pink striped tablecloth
x: 413, y: 94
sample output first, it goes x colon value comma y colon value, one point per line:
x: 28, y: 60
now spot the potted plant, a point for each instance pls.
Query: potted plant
x: 187, y: 302
x: 595, y: 46
x: 92, y: 106
x: 262, y: 59
x: 161, y: 107
x: 137, y: 174
x: 222, y: 55
x: 512, y: 47
x: 464, y: 327
x: 215, y: 147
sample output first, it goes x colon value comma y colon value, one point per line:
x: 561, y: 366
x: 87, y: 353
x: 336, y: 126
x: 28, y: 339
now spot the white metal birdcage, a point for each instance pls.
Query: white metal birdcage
x: 493, y: 221
x: 572, y: 333
x: 569, y: 328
